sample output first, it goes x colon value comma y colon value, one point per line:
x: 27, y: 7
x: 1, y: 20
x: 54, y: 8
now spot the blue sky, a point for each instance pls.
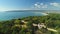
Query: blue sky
x: 29, y: 5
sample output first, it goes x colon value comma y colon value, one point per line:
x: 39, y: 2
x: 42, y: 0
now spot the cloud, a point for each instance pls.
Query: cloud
x: 37, y: 5
x: 45, y: 6
x: 40, y: 5
x: 55, y: 4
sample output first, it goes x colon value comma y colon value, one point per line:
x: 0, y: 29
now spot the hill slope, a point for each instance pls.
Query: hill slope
x: 25, y: 25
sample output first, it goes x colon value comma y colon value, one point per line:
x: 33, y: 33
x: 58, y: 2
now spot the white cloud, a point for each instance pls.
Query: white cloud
x: 45, y: 6
x: 40, y: 5
x: 36, y: 5
x: 55, y: 4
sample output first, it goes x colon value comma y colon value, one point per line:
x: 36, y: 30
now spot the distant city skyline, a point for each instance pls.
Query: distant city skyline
x: 29, y: 5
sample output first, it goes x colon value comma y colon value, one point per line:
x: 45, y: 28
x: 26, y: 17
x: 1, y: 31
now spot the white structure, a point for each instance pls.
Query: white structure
x: 34, y: 24
x: 24, y: 21
x: 41, y: 25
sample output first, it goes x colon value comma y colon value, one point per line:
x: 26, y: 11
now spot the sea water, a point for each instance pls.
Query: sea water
x: 14, y: 15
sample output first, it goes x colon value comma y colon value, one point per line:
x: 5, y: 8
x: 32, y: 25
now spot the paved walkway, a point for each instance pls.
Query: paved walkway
x: 52, y: 30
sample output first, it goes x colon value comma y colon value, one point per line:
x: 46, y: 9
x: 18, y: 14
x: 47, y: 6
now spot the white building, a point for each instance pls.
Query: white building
x: 41, y: 25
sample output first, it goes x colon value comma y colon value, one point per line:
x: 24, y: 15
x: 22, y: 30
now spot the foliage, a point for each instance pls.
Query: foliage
x: 50, y: 20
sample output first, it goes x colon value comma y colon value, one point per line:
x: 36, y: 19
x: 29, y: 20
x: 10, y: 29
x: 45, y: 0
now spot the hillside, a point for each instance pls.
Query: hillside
x: 25, y: 25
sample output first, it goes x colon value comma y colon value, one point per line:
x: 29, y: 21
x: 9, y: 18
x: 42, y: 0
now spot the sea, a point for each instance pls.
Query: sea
x: 8, y: 15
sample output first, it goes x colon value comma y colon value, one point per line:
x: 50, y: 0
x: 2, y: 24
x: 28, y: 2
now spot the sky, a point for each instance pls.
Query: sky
x: 29, y: 5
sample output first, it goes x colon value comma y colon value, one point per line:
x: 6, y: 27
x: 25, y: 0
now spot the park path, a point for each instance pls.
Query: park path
x: 50, y: 29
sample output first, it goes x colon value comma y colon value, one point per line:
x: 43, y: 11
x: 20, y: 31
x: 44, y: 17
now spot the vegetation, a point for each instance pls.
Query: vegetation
x: 16, y: 26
